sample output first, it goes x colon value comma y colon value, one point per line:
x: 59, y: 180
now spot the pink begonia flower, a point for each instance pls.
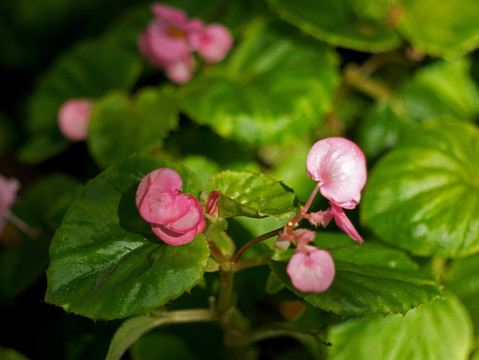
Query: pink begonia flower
x: 8, y: 195
x: 213, y: 43
x: 73, y: 119
x: 339, y: 166
x: 175, y: 218
x: 311, y: 271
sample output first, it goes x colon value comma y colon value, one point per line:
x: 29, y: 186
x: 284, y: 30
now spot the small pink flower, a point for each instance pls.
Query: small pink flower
x: 181, y: 71
x: 175, y: 218
x: 213, y: 43
x: 311, y: 271
x: 8, y: 195
x: 339, y: 166
x: 73, y: 119
x: 320, y: 218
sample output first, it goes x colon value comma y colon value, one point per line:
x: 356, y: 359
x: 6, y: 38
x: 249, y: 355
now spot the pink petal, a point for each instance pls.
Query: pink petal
x: 303, y: 237
x: 311, y: 272
x: 73, y: 119
x: 175, y: 238
x: 169, y: 14
x: 159, y: 180
x: 344, y: 223
x: 214, y: 43
x: 161, y: 48
x: 181, y: 71
x: 8, y: 194
x: 340, y: 166
x: 162, y: 208
x: 190, y: 220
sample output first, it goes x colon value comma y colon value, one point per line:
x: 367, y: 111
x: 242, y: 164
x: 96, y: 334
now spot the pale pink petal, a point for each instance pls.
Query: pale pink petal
x: 181, y: 71
x: 344, y: 223
x: 175, y: 238
x: 169, y: 14
x: 319, y: 218
x: 161, y: 48
x: 73, y: 119
x: 188, y: 221
x: 8, y: 194
x: 214, y: 43
x: 311, y: 272
x: 161, y: 208
x: 303, y: 237
x: 339, y: 166
x: 283, y: 241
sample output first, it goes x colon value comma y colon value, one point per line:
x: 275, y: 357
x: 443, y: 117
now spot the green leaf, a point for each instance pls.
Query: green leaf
x: 132, y: 329
x: 462, y: 278
x: 336, y: 23
x: 254, y: 195
x: 154, y: 346
x: 423, y: 195
x: 447, y: 29
x: 88, y: 71
x: 439, y: 90
x: 11, y: 354
x: 275, y: 87
x: 105, y: 260
x: 370, y: 279
x: 121, y: 126
x: 440, y: 330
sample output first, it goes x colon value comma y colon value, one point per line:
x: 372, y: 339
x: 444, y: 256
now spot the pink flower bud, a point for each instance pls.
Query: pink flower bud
x: 339, y: 166
x: 213, y: 43
x: 319, y: 218
x: 311, y: 271
x: 175, y: 218
x: 180, y: 72
x: 73, y: 119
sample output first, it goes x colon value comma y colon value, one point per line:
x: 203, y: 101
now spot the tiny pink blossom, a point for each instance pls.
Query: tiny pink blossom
x: 175, y: 218
x: 339, y: 166
x: 213, y: 43
x: 73, y: 119
x: 181, y: 71
x: 344, y: 223
x: 320, y: 218
x: 311, y: 271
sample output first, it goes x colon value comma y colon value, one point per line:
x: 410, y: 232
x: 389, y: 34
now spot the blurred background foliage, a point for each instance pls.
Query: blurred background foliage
x: 381, y: 72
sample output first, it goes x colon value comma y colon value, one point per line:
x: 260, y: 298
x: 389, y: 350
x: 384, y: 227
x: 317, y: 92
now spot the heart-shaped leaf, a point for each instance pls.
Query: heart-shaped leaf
x: 105, y: 260
x: 120, y: 127
x: 370, y: 279
x: 448, y: 30
x: 89, y: 71
x: 340, y: 23
x: 423, y: 195
x: 276, y: 86
x: 254, y: 195
x: 439, y: 90
x: 441, y: 330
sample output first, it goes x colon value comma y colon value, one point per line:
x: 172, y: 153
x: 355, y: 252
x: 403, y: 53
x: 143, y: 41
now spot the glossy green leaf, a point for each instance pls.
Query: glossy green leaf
x: 253, y: 195
x: 440, y: 330
x: 423, y: 196
x: 337, y: 23
x: 370, y: 279
x: 105, y: 262
x: 462, y: 278
x: 121, y: 126
x: 11, y: 354
x: 89, y: 71
x: 155, y: 345
x: 445, y: 29
x: 275, y: 87
x: 439, y: 90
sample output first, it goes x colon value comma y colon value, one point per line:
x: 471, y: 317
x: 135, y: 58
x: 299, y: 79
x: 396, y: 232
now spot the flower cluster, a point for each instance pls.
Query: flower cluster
x: 73, y: 119
x: 8, y: 195
x: 175, y: 218
x: 339, y: 167
x: 171, y: 39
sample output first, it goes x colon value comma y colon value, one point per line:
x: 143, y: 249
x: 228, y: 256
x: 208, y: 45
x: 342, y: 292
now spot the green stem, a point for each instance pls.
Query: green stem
x: 253, y: 242
x: 132, y: 329
x: 356, y: 79
x: 252, y: 262
x: 225, y: 295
